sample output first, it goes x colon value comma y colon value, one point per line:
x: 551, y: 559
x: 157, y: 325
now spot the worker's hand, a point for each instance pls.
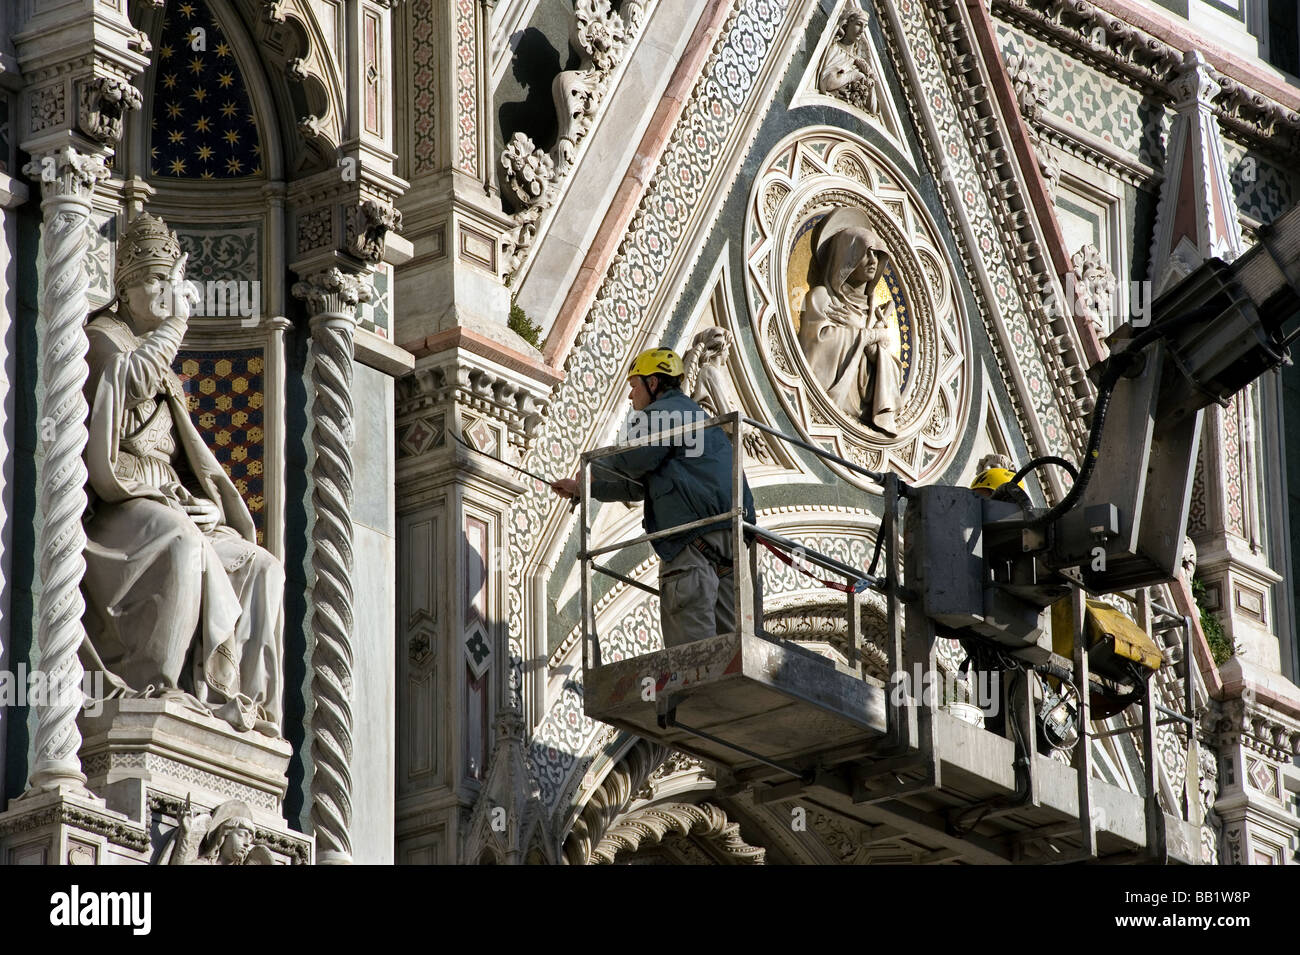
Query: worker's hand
x: 566, y: 487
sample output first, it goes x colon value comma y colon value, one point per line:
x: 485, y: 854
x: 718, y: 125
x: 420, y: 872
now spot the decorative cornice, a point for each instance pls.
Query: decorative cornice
x: 1258, y: 728
x: 1107, y: 42
x: 467, y: 339
x: 462, y: 378
x: 119, y: 832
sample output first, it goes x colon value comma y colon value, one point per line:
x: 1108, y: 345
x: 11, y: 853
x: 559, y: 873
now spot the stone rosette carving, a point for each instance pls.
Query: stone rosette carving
x: 47, y: 108
x: 103, y: 102
x: 909, y: 318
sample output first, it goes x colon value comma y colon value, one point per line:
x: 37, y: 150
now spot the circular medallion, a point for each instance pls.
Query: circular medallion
x: 853, y: 303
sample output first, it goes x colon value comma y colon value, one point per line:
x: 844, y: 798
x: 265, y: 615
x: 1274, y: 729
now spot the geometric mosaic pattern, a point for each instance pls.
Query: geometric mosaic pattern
x: 1263, y: 190
x: 467, y: 104
x: 425, y: 98
x: 953, y: 147
x: 1098, y: 104
x: 203, y: 125
x: 227, y: 404
x: 616, y: 317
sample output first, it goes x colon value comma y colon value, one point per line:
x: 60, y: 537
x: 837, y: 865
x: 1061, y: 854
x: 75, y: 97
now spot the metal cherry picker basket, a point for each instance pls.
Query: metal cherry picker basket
x: 1020, y: 587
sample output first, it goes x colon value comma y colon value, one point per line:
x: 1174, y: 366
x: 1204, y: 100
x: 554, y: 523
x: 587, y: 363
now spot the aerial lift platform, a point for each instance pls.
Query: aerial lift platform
x: 786, y: 723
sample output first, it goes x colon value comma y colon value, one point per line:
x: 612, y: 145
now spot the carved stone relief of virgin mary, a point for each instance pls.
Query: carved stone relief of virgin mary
x: 844, y: 332
x: 858, y: 325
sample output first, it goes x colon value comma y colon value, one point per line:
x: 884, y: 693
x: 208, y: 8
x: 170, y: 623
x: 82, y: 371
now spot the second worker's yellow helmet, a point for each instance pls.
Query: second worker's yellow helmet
x: 989, y: 480
x: 657, y: 361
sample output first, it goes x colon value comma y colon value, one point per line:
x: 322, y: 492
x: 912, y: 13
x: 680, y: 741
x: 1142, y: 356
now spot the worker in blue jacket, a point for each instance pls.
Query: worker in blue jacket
x: 681, y: 480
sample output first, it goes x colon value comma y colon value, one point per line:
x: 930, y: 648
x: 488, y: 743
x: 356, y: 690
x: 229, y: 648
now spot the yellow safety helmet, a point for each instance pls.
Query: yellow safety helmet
x: 657, y: 361
x: 990, y: 479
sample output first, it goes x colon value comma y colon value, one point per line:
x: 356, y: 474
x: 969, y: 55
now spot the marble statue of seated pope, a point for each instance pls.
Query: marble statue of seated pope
x: 181, y: 602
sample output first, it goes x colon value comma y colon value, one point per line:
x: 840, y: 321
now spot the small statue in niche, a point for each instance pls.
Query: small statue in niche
x: 181, y: 602
x: 845, y: 72
x: 844, y: 334
x: 224, y: 838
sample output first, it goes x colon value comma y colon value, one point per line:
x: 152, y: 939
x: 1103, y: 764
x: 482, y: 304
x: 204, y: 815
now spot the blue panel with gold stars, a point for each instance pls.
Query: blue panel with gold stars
x: 202, y: 125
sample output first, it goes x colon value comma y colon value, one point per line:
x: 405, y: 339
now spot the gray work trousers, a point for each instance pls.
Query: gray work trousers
x: 694, y: 601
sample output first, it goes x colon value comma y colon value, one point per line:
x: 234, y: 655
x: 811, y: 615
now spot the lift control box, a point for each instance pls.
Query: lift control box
x: 958, y: 566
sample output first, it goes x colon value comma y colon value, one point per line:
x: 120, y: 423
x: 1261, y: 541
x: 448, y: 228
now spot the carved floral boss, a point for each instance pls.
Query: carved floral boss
x: 851, y: 297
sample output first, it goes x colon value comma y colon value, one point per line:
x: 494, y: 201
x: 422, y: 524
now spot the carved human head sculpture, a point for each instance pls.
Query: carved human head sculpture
x: 146, y: 255
x: 851, y: 26
x: 230, y: 833
x: 851, y: 253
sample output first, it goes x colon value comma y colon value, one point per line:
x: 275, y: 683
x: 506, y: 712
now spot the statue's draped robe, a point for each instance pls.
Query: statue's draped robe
x: 840, y: 75
x: 851, y: 360
x: 169, y: 606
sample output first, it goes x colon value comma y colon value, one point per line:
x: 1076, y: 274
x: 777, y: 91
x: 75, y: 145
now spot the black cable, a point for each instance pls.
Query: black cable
x: 1033, y: 466
x: 875, y: 553
x: 1116, y: 366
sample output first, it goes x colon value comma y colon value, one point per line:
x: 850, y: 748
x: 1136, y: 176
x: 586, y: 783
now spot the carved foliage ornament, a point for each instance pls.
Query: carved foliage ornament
x: 599, y: 35
x: 333, y: 291
x: 860, y: 331
x: 368, y: 225
x: 1095, y: 289
x: 1032, y: 95
x: 102, y: 104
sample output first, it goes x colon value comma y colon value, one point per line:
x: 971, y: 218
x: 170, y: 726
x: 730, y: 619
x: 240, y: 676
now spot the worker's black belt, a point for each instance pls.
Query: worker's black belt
x: 713, y: 555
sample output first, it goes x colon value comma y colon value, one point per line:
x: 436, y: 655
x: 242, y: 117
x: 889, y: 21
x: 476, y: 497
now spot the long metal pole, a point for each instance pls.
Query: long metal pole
x: 590, y: 641
x: 1083, y: 748
x: 876, y: 476
x: 897, y: 676
x: 738, y: 524
x: 1156, y: 836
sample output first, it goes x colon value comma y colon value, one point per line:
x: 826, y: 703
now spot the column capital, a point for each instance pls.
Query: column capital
x: 333, y: 293
x: 65, y: 172
x: 1195, y: 82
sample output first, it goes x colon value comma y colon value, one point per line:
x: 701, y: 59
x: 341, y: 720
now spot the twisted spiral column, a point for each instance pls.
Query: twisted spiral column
x: 332, y: 297
x: 67, y: 180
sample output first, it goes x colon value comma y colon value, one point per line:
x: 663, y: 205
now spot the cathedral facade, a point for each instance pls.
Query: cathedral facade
x: 305, y: 302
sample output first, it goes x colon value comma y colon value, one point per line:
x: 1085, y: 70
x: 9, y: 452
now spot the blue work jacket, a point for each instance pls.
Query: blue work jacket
x: 680, y: 480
